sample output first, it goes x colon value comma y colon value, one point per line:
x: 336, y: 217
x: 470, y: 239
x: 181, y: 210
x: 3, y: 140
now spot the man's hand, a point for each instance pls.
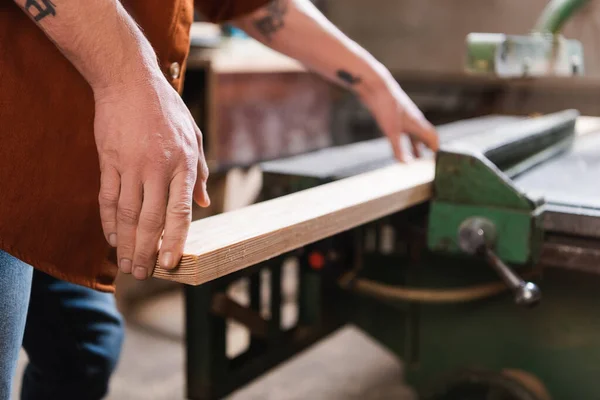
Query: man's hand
x: 152, y: 161
x: 149, y: 147
x: 397, y: 115
x: 296, y: 28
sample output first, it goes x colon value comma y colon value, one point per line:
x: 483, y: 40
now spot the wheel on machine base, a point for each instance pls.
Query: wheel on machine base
x: 487, y: 385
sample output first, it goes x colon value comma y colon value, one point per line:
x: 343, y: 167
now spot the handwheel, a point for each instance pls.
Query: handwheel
x: 530, y: 381
x: 487, y: 385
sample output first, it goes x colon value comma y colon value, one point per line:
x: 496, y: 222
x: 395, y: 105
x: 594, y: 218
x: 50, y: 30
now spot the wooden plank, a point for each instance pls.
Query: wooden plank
x: 582, y: 84
x: 242, y: 55
x: 250, y: 56
x: 469, y: 94
x: 225, y: 243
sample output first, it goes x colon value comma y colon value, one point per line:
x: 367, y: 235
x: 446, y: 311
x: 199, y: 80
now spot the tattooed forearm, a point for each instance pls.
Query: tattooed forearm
x: 347, y: 77
x: 40, y: 11
x: 269, y: 24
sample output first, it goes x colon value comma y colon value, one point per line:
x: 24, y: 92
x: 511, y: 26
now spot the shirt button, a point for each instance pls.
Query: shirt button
x: 174, y: 70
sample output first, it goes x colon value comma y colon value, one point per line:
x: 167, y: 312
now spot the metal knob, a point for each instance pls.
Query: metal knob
x: 477, y: 236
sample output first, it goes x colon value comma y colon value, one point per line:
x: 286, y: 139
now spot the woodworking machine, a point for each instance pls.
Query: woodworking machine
x: 544, y: 52
x: 488, y: 290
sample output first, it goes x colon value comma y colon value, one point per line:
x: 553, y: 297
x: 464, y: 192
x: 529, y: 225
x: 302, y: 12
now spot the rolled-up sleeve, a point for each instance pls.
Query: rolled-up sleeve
x: 218, y: 11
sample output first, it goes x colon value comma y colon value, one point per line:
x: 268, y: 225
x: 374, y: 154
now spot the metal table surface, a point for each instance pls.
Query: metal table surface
x: 352, y: 159
x: 570, y: 179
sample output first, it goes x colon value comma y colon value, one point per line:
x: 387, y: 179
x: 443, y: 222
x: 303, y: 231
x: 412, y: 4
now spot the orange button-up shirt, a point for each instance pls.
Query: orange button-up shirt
x: 49, y: 172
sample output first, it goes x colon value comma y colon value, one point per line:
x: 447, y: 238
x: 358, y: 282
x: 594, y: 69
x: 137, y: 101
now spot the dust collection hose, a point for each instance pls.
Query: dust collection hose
x: 556, y: 14
x: 402, y: 293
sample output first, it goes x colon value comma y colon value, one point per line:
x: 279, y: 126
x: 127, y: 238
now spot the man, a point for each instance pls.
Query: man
x: 90, y: 113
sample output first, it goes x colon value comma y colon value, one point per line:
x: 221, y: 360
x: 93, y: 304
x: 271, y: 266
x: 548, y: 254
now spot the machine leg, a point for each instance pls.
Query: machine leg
x: 205, y: 342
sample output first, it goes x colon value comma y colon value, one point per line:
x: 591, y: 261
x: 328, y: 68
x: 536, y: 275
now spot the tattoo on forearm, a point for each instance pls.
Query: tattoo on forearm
x: 348, y: 77
x: 274, y: 20
x: 40, y: 11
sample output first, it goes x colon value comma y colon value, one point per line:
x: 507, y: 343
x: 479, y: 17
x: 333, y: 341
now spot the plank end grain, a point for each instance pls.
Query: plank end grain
x: 228, y: 242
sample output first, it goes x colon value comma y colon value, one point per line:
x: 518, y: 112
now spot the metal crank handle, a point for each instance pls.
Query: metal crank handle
x: 477, y: 236
x: 526, y: 293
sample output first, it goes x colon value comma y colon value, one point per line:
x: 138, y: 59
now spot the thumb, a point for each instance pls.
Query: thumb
x: 200, y: 193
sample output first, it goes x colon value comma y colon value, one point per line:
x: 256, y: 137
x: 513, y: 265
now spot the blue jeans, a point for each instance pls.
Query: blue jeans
x: 72, y: 335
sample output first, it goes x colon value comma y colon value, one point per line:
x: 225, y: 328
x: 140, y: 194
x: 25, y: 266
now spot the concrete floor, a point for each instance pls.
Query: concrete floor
x: 347, y: 365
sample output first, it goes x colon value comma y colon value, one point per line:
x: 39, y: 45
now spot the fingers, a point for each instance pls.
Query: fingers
x: 419, y: 130
x: 143, y: 213
x: 415, y: 147
x: 179, y: 218
x: 140, y: 226
x: 150, y: 227
x: 200, y: 193
x: 128, y: 213
x: 396, y: 146
x: 108, y: 199
x: 423, y: 131
x: 396, y: 141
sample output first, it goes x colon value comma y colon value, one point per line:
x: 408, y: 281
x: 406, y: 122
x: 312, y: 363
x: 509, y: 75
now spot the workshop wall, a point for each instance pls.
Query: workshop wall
x: 429, y: 35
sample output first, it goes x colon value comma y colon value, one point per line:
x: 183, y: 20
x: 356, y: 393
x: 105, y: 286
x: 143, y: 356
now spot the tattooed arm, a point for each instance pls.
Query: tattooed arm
x: 149, y: 147
x: 98, y: 37
x: 298, y: 29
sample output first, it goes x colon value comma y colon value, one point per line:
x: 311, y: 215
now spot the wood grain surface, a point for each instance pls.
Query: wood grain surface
x: 228, y: 242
